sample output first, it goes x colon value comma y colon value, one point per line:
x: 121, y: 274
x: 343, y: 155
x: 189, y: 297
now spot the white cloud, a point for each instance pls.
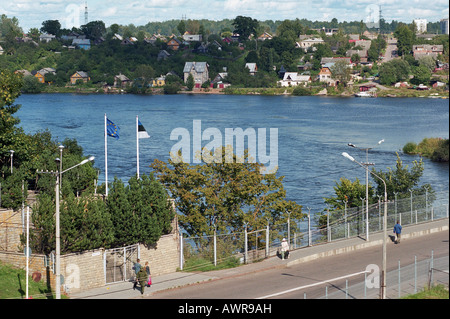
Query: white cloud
x: 31, y: 13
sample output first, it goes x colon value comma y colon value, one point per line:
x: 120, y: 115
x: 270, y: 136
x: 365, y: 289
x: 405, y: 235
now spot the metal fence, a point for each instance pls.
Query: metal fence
x: 405, y: 280
x: 246, y: 247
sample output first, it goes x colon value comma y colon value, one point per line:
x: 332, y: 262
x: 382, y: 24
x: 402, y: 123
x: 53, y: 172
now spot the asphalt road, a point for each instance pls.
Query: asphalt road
x: 309, y: 278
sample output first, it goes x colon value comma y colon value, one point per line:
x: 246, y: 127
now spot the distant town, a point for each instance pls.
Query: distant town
x: 240, y: 56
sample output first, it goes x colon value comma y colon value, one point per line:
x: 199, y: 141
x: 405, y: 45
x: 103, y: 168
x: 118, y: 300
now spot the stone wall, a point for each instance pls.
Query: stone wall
x: 84, y: 270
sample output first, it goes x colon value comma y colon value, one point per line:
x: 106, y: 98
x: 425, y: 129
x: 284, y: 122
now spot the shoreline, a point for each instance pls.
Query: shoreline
x: 387, y: 93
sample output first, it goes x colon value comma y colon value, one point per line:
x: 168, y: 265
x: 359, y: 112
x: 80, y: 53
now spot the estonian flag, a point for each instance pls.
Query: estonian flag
x: 112, y: 129
x: 142, y: 133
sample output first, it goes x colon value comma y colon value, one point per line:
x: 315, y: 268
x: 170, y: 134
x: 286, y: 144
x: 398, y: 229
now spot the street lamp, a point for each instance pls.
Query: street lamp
x: 12, y: 155
x: 366, y: 164
x: 383, y: 271
x: 58, y: 174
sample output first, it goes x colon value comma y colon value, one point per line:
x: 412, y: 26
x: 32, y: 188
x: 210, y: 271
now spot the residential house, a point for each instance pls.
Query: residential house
x: 79, y: 75
x: 121, y: 80
x: 84, y: 44
x: 117, y: 37
x: 159, y: 81
x: 432, y: 50
x: 1, y: 50
x: 173, y: 44
x: 46, y: 37
x: 199, y: 71
x: 361, y: 53
x: 326, y: 60
x: 294, y: 79
x: 325, y: 76
x: 202, y: 48
x: 265, y: 36
x: 127, y: 41
x: 252, y: 67
x: 364, y: 44
x: 163, y: 55
x: 192, y: 37
x: 308, y: 43
x: 220, y: 80
x: 40, y: 75
x: 24, y: 72
x: 328, y: 31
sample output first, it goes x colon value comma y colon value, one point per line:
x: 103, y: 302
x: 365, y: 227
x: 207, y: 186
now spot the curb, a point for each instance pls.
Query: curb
x: 342, y: 250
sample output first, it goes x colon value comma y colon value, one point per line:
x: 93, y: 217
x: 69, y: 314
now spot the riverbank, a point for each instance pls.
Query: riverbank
x: 313, y: 91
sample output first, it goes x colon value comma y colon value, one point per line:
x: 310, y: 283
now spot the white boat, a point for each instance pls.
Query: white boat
x: 365, y: 94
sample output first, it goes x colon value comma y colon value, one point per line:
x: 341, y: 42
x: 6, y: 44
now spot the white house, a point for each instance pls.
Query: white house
x: 252, y: 67
x: 294, y: 79
x: 308, y: 43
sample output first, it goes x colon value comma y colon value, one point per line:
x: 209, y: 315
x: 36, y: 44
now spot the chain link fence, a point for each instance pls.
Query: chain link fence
x: 318, y: 228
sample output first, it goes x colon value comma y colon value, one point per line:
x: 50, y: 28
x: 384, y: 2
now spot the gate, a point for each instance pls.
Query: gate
x: 119, y: 263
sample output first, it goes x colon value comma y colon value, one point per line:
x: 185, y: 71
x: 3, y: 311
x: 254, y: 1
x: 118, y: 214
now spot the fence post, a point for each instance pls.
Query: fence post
x: 416, y: 216
x: 328, y: 225
x: 415, y: 274
x: 432, y: 213
x: 309, y: 226
x: 181, y: 251
x: 267, y: 241
x: 246, y: 244
x: 215, y: 245
x: 399, y: 280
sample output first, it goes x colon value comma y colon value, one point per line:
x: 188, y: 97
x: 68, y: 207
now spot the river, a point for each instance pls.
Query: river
x: 312, y: 131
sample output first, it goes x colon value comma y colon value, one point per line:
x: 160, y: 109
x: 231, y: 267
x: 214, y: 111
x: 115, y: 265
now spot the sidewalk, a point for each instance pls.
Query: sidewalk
x: 125, y: 290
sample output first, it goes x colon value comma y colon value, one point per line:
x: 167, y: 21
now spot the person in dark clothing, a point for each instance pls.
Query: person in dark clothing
x: 398, y: 232
x: 142, y: 279
x: 137, y: 267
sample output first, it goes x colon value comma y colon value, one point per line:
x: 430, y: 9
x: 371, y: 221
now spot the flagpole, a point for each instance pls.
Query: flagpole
x: 106, y: 159
x: 137, y: 144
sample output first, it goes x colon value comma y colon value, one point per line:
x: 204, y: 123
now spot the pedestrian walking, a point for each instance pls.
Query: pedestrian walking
x: 284, y: 249
x: 142, y: 279
x: 137, y: 267
x: 398, y: 232
x: 149, y: 278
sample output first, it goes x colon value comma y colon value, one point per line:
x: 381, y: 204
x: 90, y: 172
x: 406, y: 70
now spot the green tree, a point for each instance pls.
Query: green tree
x: 421, y: 75
x: 402, y: 179
x: 224, y: 194
x: 245, y: 26
x: 190, y: 82
x: 51, y: 27
x: 181, y: 27
x: 405, y: 39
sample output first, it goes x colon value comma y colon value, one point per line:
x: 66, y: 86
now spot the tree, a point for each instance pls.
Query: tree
x: 190, y: 82
x: 421, y: 74
x: 51, y: 27
x: 402, y: 179
x: 341, y: 71
x: 181, y: 27
x: 225, y: 195
x: 245, y: 26
x: 94, y: 30
x: 405, y: 39
x: 394, y: 71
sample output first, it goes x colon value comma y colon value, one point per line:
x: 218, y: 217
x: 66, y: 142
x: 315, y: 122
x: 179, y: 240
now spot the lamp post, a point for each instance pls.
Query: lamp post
x: 383, y: 271
x: 366, y: 165
x: 58, y: 174
x: 12, y: 155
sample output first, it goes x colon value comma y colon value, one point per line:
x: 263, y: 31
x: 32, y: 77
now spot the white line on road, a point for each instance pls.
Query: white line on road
x: 312, y: 285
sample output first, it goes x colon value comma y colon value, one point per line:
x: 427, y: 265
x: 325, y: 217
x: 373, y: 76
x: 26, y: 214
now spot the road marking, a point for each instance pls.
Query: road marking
x: 312, y: 285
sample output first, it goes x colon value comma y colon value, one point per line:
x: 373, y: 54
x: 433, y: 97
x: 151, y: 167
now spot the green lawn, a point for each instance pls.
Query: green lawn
x: 437, y: 292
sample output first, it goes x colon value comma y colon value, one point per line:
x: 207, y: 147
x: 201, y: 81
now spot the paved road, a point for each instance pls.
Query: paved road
x: 279, y: 281
x: 390, y: 48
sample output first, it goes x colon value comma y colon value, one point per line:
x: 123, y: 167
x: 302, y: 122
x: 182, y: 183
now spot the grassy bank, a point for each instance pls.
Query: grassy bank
x: 13, y: 285
x: 437, y: 292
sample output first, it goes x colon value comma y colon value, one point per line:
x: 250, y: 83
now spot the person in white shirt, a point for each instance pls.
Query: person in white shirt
x: 284, y: 249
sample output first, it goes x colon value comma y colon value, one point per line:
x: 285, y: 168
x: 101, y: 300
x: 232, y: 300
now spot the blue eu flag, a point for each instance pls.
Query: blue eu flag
x: 112, y: 129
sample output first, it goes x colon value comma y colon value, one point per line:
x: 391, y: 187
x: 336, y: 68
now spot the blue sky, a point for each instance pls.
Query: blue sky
x: 31, y: 13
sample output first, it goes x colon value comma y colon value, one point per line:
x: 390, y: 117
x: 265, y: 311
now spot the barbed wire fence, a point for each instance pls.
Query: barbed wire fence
x: 246, y: 247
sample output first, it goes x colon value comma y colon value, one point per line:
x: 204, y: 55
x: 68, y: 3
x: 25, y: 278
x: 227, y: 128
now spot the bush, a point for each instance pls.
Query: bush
x: 301, y: 91
x: 410, y: 148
